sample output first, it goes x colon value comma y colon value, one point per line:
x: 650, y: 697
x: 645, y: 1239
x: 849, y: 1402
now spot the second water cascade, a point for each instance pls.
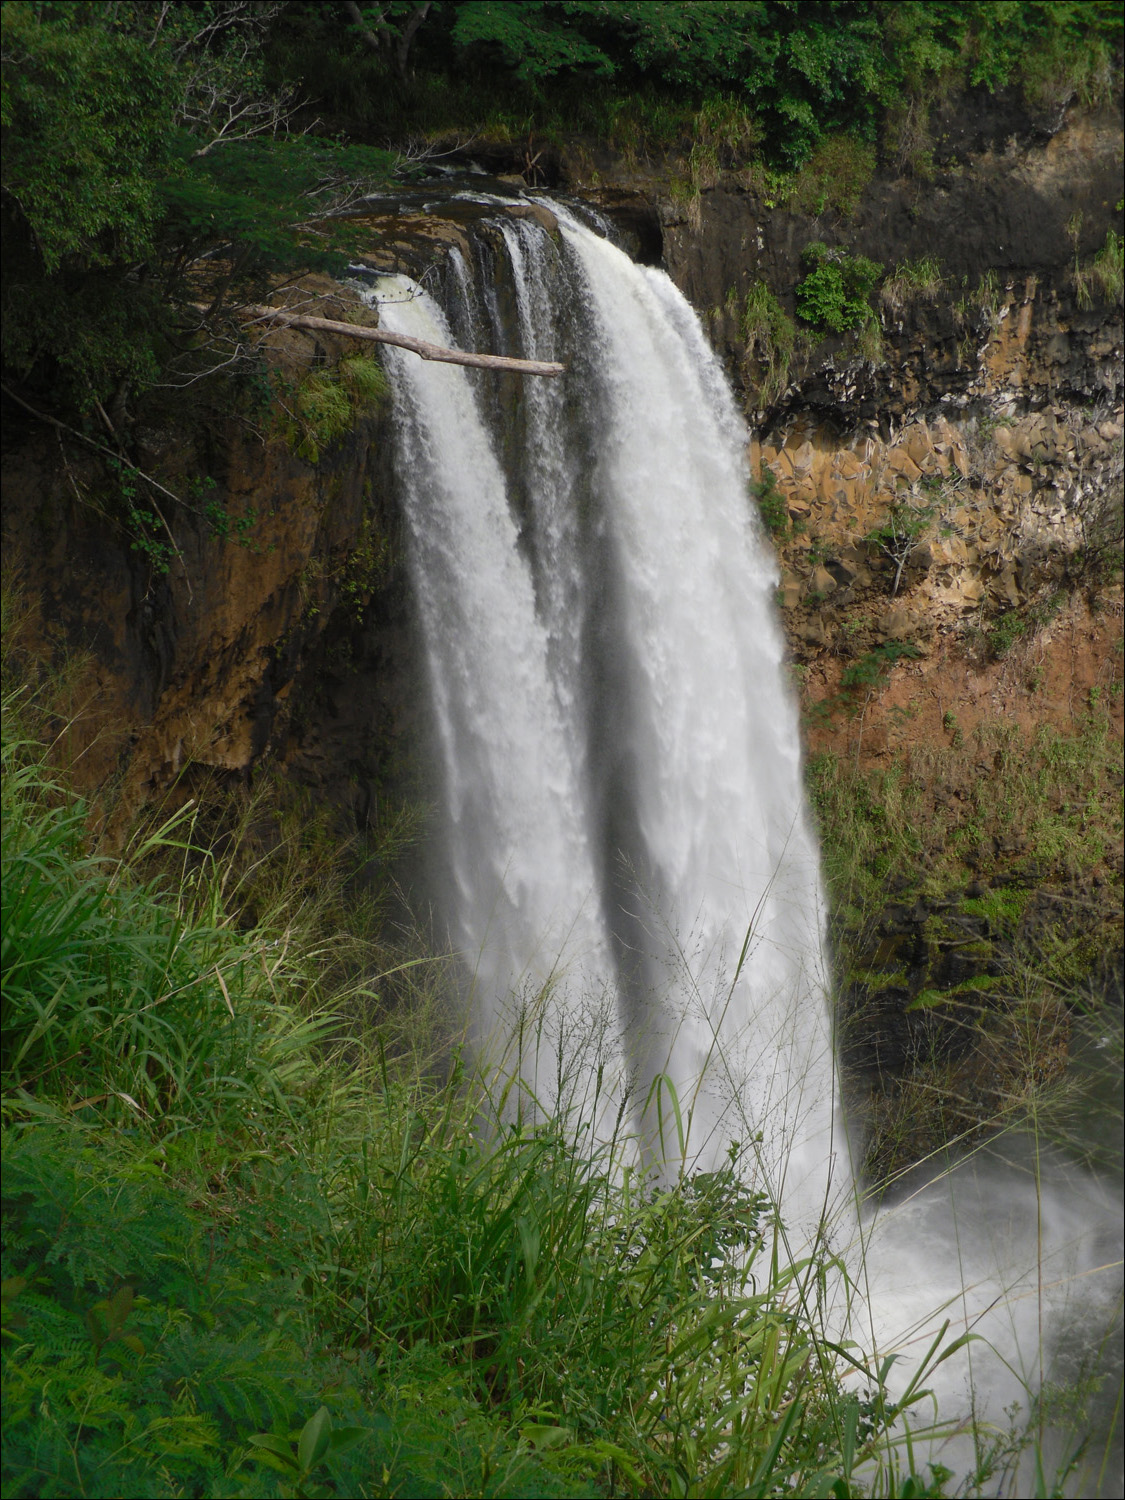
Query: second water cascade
x: 628, y: 870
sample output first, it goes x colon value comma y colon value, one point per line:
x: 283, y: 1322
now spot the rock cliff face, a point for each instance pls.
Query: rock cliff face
x: 277, y: 632
x: 966, y: 470
x: 951, y: 486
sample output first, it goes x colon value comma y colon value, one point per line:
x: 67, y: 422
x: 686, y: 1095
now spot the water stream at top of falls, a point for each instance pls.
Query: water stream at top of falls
x: 629, y: 874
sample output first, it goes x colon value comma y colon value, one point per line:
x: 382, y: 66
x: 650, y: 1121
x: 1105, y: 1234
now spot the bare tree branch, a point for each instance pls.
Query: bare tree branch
x: 403, y: 341
x: 234, y: 14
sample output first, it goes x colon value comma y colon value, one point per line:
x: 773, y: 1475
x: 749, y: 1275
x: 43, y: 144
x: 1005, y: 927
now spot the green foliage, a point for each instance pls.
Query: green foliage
x: 263, y: 199
x: 305, y: 1451
x: 1073, y: 57
x: 368, y: 567
x: 159, y: 998
x: 327, y: 403
x: 907, y: 522
x: 912, y: 281
x: 901, y: 843
x: 364, y: 380
x: 1049, y: 796
x: 724, y: 122
x: 533, y: 40
x: 872, y: 667
x: 88, y: 330
x: 799, y: 74
x: 147, y: 166
x: 302, y: 1272
x: 771, y: 338
x: 127, y: 1350
x: 995, y: 46
x: 1005, y: 631
x: 87, y: 115
x: 771, y: 503
x: 834, y: 177
x: 1106, y: 272
x: 833, y: 294
x: 324, y: 412
x: 1002, y: 908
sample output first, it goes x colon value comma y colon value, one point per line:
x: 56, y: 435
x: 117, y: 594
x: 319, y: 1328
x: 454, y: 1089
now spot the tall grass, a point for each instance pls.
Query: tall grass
x: 107, y: 980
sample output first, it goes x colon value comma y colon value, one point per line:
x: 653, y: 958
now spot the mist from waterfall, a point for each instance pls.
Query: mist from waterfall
x: 628, y: 871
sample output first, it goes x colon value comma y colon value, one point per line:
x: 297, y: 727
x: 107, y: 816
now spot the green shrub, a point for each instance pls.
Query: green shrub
x: 1005, y: 631
x: 771, y: 503
x: 833, y: 294
x: 871, y: 668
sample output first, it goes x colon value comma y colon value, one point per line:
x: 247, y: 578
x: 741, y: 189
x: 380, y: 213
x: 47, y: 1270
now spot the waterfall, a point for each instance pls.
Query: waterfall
x: 629, y: 865
x: 628, y: 873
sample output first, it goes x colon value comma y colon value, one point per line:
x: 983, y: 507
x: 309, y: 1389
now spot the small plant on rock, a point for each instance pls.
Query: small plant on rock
x: 912, y: 281
x: 771, y: 337
x: 1007, y: 630
x: 771, y: 503
x: 871, y: 668
x: 327, y: 403
x: 834, y: 293
x: 1106, y: 272
x: 906, y: 524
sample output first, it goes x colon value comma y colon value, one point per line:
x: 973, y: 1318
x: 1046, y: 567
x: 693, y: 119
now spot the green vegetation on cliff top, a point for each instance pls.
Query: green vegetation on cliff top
x: 800, y: 71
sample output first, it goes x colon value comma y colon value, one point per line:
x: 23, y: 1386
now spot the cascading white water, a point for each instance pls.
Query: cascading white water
x: 521, y: 889
x: 619, y: 748
x: 630, y: 876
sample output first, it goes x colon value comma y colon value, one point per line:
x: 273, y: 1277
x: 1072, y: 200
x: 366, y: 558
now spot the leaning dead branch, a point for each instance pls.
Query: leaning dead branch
x: 402, y: 341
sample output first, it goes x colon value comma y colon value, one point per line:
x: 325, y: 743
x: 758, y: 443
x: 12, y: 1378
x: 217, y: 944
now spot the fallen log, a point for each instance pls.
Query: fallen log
x: 403, y: 341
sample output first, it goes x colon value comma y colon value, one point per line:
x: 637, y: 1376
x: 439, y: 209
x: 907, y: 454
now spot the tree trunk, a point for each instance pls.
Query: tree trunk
x: 372, y: 38
x: 402, y: 51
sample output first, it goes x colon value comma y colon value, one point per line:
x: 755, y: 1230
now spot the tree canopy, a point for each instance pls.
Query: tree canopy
x: 149, y: 163
x: 804, y: 67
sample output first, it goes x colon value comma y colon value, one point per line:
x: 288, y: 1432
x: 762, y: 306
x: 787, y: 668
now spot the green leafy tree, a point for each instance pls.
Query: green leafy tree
x: 537, y: 40
x: 87, y: 116
x: 149, y: 166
